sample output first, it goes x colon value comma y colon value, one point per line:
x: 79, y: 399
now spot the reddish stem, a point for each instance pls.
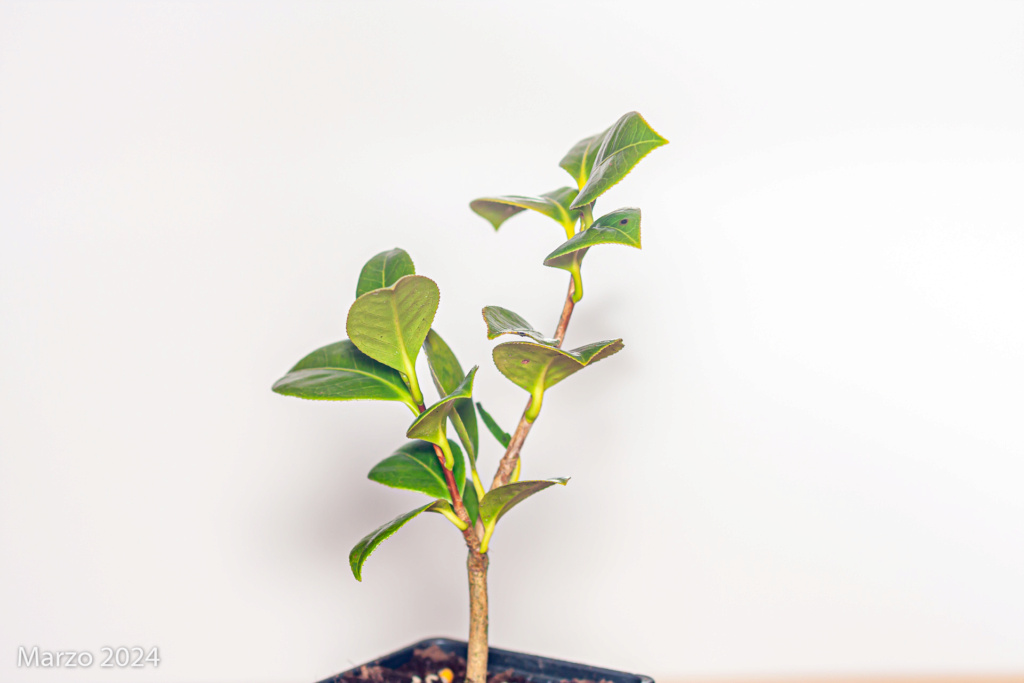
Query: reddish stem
x: 469, y: 533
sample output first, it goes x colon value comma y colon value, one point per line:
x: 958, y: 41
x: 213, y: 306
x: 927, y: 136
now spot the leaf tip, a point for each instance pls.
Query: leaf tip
x: 576, y: 207
x: 356, y: 566
x: 478, y: 206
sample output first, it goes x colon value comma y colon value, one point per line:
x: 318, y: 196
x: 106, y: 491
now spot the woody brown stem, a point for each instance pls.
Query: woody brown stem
x: 511, y: 457
x: 476, y: 656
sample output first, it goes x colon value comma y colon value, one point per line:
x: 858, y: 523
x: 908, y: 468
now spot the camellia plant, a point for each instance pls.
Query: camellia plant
x: 391, y: 320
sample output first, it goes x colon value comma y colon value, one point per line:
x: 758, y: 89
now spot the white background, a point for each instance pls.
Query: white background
x: 809, y: 458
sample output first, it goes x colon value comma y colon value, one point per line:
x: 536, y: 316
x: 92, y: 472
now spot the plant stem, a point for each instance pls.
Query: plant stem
x: 476, y: 563
x: 511, y: 457
x: 469, y: 533
x: 476, y: 656
x: 567, y: 308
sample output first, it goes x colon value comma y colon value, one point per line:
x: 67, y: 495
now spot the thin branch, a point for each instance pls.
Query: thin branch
x: 472, y: 539
x: 511, y: 457
x: 563, y: 320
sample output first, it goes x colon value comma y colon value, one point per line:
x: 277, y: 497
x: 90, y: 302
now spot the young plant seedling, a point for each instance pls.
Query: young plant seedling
x: 391, y: 320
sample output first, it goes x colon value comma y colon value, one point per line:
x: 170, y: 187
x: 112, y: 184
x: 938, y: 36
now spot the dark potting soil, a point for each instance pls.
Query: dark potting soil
x: 426, y: 666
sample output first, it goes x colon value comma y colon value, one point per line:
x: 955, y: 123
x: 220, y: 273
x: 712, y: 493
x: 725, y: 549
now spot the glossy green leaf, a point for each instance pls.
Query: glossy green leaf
x: 472, y: 503
x: 390, y: 324
x: 580, y: 159
x: 554, y: 205
x: 430, y: 425
x: 503, y: 437
x: 617, y: 227
x: 416, y: 467
x: 447, y: 374
x: 503, y: 321
x: 622, y: 147
x: 369, y: 543
x: 341, y: 372
x: 384, y: 270
x: 502, y: 499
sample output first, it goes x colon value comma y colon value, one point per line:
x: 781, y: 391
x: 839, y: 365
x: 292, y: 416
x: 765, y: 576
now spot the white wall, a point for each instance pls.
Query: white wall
x: 807, y: 460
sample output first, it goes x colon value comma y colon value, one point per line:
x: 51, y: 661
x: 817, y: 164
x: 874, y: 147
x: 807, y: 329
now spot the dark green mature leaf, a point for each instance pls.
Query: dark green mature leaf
x: 415, y: 467
x: 503, y: 321
x: 369, y: 543
x: 554, y: 205
x: 341, y: 372
x: 390, y: 324
x: 536, y: 367
x: 622, y: 147
x: 503, y: 437
x: 617, y: 227
x: 580, y: 159
x: 447, y: 374
x: 384, y: 270
x: 502, y: 499
x: 429, y: 426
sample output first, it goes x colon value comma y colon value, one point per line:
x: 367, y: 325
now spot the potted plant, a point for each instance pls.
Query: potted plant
x: 387, y: 325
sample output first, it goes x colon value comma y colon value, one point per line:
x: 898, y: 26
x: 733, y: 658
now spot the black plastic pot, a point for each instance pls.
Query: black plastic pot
x: 534, y: 668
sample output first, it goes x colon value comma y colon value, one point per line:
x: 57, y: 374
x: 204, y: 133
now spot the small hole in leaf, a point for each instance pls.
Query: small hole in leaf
x: 623, y: 221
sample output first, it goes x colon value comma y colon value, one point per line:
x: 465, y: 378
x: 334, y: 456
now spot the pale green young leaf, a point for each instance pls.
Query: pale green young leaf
x: 416, y: 467
x: 503, y: 437
x: 622, y: 147
x: 369, y: 543
x: 390, y: 324
x: 554, y: 205
x: 536, y: 367
x: 617, y: 227
x: 502, y: 499
x: 447, y: 374
x: 503, y: 321
x: 580, y: 159
x: 384, y: 270
x: 341, y: 372
x: 429, y: 426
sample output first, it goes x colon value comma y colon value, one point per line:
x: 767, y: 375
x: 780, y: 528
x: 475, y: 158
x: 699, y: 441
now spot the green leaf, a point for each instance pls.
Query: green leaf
x: 430, y: 425
x: 447, y: 374
x: 529, y: 365
x: 580, y: 159
x: 369, y: 543
x: 471, y: 502
x: 384, y: 270
x: 341, y: 372
x: 554, y: 205
x: 502, y: 499
x: 503, y: 437
x: 390, y: 324
x: 617, y: 227
x: 536, y: 367
x: 622, y: 147
x: 415, y: 467
x: 503, y: 321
